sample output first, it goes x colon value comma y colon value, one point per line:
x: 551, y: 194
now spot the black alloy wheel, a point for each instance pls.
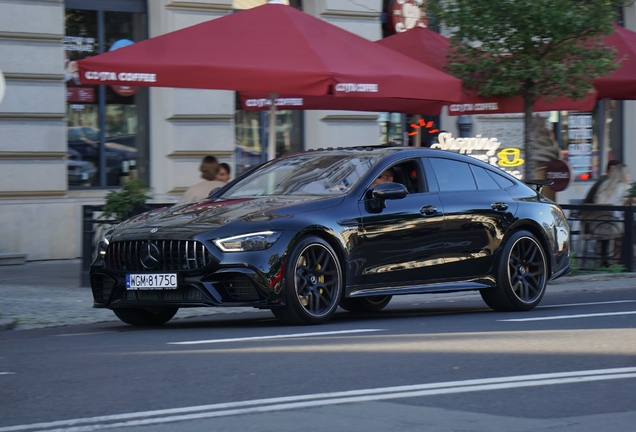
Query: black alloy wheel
x: 313, y: 284
x: 522, y: 275
x: 365, y: 304
x: 145, y: 316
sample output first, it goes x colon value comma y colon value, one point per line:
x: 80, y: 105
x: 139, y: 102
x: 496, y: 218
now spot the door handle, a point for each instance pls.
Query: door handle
x: 428, y: 210
x: 499, y: 206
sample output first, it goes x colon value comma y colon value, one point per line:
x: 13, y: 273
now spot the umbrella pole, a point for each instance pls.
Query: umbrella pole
x: 271, y: 142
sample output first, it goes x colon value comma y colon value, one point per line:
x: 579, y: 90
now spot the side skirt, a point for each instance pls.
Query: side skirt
x: 419, y: 289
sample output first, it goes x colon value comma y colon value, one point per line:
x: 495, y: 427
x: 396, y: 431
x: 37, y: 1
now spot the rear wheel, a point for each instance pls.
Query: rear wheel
x: 522, y: 275
x: 145, y: 316
x: 365, y: 304
x: 313, y: 283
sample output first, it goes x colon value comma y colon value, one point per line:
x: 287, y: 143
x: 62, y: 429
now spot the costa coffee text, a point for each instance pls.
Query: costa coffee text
x: 122, y: 76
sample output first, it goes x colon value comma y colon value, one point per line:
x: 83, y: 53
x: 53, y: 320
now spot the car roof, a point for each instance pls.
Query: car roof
x: 387, y: 150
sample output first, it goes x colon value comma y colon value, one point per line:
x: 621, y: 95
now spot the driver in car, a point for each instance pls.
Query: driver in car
x: 385, y: 177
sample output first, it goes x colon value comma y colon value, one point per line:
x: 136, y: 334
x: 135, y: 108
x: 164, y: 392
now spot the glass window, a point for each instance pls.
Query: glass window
x: 407, y: 173
x: 252, y: 134
x: 502, y: 181
x: 484, y: 180
x: 390, y: 128
x: 453, y: 175
x: 105, y: 146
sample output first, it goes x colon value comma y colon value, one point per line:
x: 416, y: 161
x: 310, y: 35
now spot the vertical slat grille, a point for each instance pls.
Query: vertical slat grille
x: 176, y: 255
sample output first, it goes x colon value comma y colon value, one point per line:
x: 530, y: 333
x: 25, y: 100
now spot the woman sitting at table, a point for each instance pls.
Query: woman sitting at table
x: 612, y: 191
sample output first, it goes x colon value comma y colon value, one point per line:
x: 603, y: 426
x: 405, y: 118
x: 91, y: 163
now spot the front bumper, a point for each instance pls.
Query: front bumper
x: 227, y: 286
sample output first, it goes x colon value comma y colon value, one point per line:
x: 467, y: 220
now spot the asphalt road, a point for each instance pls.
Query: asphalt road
x: 429, y: 363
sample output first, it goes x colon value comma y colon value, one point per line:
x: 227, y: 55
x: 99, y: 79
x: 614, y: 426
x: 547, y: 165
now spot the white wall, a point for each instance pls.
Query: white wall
x: 33, y: 172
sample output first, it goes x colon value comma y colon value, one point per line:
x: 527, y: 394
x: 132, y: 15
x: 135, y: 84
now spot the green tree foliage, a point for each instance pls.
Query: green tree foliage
x: 529, y: 48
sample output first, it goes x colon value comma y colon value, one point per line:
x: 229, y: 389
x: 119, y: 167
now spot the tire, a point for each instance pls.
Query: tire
x: 365, y: 304
x: 521, y: 277
x: 145, y: 316
x: 313, y: 283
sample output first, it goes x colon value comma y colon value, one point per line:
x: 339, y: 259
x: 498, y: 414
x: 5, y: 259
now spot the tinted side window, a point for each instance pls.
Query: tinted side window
x: 501, y: 180
x: 453, y: 175
x: 407, y: 174
x: 484, y: 181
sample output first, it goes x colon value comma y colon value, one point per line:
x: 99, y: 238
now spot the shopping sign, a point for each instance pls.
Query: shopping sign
x: 485, y: 149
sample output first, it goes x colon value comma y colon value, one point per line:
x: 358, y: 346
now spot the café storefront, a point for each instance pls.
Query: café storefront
x: 65, y: 145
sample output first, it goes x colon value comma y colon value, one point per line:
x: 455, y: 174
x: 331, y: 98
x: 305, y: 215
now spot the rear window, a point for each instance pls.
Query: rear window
x: 501, y: 180
x: 484, y: 180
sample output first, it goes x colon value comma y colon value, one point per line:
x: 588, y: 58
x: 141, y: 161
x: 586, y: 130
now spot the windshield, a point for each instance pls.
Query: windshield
x: 305, y: 174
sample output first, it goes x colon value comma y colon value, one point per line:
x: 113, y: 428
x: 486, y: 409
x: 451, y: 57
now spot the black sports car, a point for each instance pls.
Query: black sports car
x: 306, y: 233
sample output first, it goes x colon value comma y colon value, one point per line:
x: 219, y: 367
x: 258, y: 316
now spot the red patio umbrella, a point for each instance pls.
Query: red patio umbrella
x: 620, y: 84
x: 429, y: 47
x: 271, y: 49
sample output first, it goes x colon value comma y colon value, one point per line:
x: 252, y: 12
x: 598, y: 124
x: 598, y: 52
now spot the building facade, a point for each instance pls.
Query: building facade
x: 54, y: 160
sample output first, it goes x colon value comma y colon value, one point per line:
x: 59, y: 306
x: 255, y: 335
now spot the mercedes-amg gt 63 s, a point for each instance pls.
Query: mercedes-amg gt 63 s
x: 306, y: 233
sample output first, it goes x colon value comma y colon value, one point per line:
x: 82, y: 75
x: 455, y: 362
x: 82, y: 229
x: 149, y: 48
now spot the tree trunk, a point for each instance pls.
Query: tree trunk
x: 528, y: 106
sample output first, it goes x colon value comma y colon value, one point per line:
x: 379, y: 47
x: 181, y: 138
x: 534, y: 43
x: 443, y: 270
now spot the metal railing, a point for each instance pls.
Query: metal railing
x: 601, y: 235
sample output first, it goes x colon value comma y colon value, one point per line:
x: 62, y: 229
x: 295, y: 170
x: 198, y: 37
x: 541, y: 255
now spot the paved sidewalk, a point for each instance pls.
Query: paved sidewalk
x: 48, y: 294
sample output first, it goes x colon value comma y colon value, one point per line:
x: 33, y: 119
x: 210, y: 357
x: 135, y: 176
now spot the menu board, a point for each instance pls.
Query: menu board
x: 580, y: 145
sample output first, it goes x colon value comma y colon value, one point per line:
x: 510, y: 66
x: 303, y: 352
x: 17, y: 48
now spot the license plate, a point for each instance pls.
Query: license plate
x: 159, y: 281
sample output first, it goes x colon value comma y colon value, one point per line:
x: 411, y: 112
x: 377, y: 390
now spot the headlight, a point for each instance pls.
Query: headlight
x: 102, y: 246
x: 248, y: 242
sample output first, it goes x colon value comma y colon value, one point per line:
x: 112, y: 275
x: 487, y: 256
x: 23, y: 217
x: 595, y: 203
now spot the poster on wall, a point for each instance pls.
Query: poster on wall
x: 76, y: 47
x: 404, y: 15
x: 580, y: 145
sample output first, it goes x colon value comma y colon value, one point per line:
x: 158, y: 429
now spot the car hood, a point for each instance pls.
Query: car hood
x: 186, y: 221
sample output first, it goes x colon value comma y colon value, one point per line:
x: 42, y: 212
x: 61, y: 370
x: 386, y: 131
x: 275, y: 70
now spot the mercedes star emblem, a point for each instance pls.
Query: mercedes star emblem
x: 149, y: 256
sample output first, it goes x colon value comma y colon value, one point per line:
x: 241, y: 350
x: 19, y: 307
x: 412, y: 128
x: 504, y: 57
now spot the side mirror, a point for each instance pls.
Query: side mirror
x: 388, y: 191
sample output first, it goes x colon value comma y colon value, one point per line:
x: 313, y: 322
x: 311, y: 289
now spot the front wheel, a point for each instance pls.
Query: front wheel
x: 145, y: 316
x: 365, y: 304
x: 313, y: 283
x: 522, y: 275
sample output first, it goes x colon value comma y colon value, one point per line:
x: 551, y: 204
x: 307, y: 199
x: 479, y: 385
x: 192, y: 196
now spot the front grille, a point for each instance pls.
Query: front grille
x: 174, y: 255
x: 240, y: 287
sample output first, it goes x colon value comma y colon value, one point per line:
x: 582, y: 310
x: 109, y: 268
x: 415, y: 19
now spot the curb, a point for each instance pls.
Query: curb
x: 592, y: 277
x: 58, y: 317
x: 8, y: 324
